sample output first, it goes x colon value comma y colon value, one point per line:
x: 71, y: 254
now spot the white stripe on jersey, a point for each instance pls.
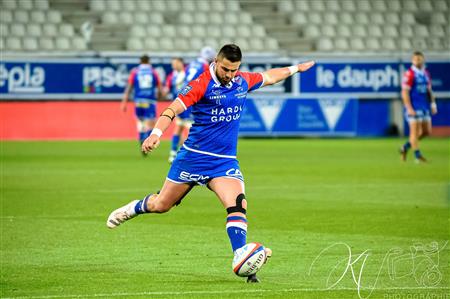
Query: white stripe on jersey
x: 184, y: 106
x: 208, y: 153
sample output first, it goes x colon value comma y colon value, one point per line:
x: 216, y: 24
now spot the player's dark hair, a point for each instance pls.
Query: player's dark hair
x: 231, y: 52
x: 145, y: 59
x: 418, y: 53
x: 179, y: 59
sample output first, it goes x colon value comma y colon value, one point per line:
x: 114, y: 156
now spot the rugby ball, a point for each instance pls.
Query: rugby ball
x: 249, y: 259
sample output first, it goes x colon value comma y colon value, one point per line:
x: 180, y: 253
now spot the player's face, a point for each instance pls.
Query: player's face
x: 177, y: 65
x: 226, y: 70
x: 418, y: 61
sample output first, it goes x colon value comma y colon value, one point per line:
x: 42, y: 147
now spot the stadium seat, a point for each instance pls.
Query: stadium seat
x: 244, y: 32
x: 24, y: 4
x: 126, y: 18
x: 216, y: 18
x: 346, y: 18
x: 394, y: 6
x: 408, y: 18
x: 425, y: 6
x: 134, y: 44
x: 228, y: 31
x: 285, y: 6
x: 392, y: 18
x: 144, y: 5
x: 172, y: 5
x: 46, y: 43
x: 156, y: 18
x: 407, y: 31
x: 317, y: 6
x: 232, y: 18
x: 200, y: 31
x: 38, y: 16
x: 357, y: 44
x: 436, y: 44
x: 362, y: 18
x: 196, y: 43
x: 50, y: 30
x: 374, y: 31
x: 348, y: 5
x: 212, y: 42
x: 390, y: 31
x: 4, y: 30
x: 359, y: 31
x: 243, y: 44
x: 311, y: 31
x: 113, y: 5
x: 373, y: 44
x: 299, y: 18
x: 437, y: 30
x: 203, y: 5
x: 181, y: 44
x: 21, y: 16
x: 168, y: 31
x: 184, y: 31
x: 218, y: 6
x: 41, y: 4
x: 271, y: 44
x: 333, y: 6
x: 259, y: 31
x: 343, y: 31
x: 341, y: 44
x: 440, y: 5
x: 388, y: 44
x: 13, y: 43
x: 79, y: 43
x: 188, y: 6
x: 214, y: 31
x: 325, y: 44
x: 129, y: 6
x: 66, y: 30
x: 302, y: 5
x: 439, y: 18
x: 186, y: 18
x: 328, y: 31
x: 6, y: 16
x: 419, y: 44
x: 138, y: 31
x: 34, y: 30
x: 410, y: 6
x: 421, y: 31
x: 315, y: 18
x: 8, y: 5
x: 17, y: 29
x: 62, y: 44
x: 143, y: 18
x: 245, y: 18
x: 405, y: 44
x: 110, y: 18
x: 30, y: 44
x: 151, y: 44
x: 256, y: 45
x: 232, y: 6
x: 97, y: 5
x: 364, y: 6
x: 377, y: 18
x: 54, y: 16
x: 2, y: 43
x: 330, y: 18
x: 379, y: 5
x: 166, y: 44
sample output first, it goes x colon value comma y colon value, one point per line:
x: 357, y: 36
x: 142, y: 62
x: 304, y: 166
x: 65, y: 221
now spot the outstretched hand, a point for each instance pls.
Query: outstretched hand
x: 303, y: 67
x: 149, y: 144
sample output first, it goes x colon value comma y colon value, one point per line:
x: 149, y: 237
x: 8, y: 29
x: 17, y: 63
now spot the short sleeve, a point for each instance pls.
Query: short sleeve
x: 254, y: 80
x: 193, y: 92
x: 408, y: 78
x: 131, y: 77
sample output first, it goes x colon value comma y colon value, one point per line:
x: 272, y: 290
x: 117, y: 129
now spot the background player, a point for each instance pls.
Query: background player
x: 208, y: 157
x: 145, y: 83
x: 183, y: 121
x: 418, y: 99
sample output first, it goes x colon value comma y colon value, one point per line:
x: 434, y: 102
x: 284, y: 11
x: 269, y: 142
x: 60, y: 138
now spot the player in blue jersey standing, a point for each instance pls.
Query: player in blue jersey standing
x: 178, y: 79
x: 418, y: 100
x: 208, y: 157
x: 145, y: 83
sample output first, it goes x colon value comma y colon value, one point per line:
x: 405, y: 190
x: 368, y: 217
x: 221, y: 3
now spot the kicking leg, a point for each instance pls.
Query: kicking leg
x: 170, y: 195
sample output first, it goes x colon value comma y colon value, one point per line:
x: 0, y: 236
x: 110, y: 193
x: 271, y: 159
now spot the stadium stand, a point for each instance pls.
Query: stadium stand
x: 258, y: 26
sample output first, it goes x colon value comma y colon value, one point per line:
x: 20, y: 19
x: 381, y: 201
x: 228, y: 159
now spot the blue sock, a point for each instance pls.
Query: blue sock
x: 418, y: 154
x: 407, y: 146
x: 141, y: 206
x: 142, y: 136
x: 175, y: 141
x: 237, y: 231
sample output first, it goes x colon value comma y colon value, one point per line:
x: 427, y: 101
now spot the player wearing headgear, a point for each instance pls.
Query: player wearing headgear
x: 208, y: 157
x: 183, y: 121
x: 145, y: 83
x: 418, y: 100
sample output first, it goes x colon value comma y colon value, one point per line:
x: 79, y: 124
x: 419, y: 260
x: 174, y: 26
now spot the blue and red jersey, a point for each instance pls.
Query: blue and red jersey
x: 175, y: 81
x: 145, y: 81
x: 217, y: 111
x: 417, y: 81
x: 195, y: 69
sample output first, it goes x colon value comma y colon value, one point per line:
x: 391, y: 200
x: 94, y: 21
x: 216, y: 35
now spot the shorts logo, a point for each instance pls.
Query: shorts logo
x: 192, y: 177
x: 236, y: 173
x: 185, y: 90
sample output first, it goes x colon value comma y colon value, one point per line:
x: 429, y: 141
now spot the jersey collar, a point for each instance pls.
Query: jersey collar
x: 417, y: 70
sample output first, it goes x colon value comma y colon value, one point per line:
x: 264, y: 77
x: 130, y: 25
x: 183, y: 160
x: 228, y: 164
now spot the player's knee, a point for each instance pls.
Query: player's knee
x: 240, y: 206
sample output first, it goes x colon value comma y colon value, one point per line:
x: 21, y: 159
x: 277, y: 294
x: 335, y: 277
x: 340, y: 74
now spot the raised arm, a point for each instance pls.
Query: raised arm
x: 276, y: 75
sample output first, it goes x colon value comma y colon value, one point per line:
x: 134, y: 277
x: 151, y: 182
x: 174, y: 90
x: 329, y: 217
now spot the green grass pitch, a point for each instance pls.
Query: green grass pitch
x: 326, y: 207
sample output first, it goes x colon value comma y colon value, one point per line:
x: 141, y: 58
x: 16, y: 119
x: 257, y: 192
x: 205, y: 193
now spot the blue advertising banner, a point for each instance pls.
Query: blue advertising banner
x: 367, y: 77
x: 293, y: 117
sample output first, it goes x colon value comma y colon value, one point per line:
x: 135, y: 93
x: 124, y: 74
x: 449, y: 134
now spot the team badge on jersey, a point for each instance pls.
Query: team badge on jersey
x: 185, y: 90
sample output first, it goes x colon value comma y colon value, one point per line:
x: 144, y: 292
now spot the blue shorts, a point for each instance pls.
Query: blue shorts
x: 421, y: 116
x: 194, y: 168
x: 145, y: 109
